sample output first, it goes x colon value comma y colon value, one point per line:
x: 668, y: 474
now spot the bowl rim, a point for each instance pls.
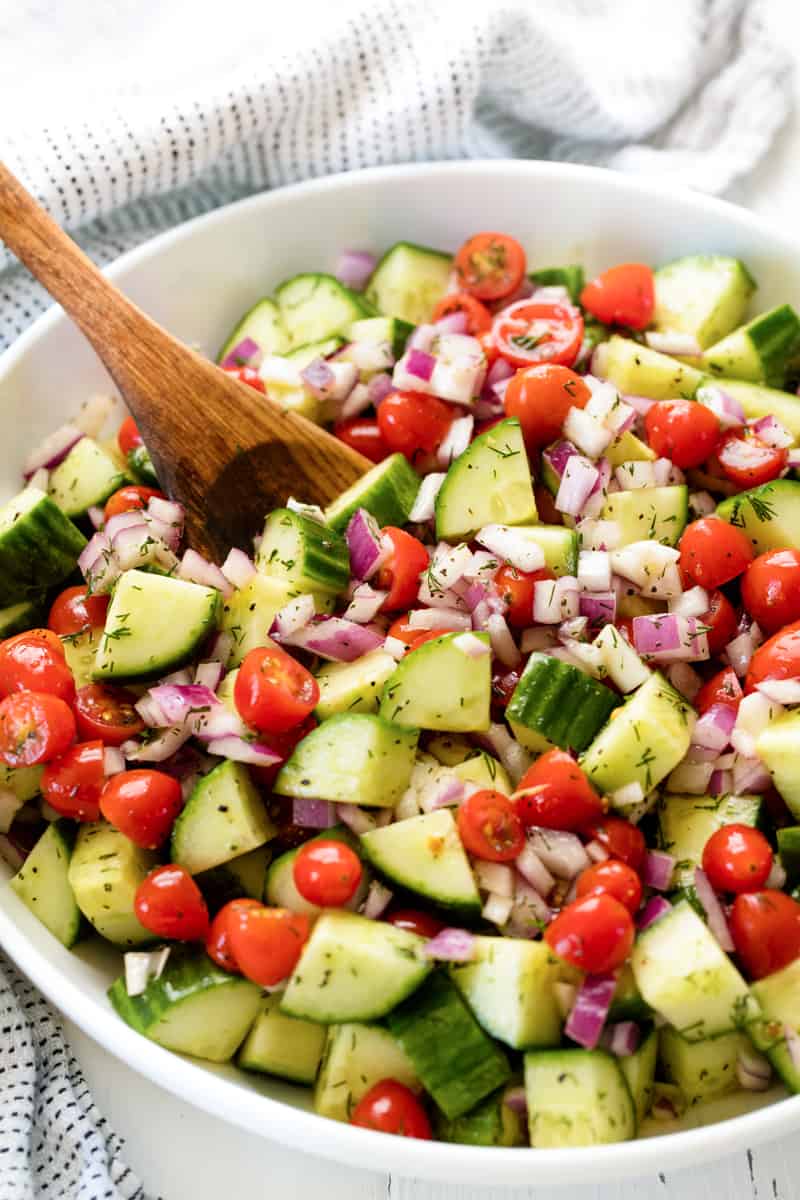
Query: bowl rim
x: 258, y: 1113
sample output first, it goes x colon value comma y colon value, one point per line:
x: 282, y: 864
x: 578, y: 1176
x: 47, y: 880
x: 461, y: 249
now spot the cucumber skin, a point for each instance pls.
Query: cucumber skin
x: 387, y: 491
x: 560, y: 703
x: 38, y: 550
x: 325, y: 561
x: 62, y: 836
x: 490, y: 1123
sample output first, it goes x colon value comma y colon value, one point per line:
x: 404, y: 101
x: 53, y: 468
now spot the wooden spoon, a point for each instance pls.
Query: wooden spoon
x: 224, y: 450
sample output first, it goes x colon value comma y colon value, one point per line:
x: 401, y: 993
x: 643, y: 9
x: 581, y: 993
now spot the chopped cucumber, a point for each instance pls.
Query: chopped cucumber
x: 558, y: 544
x: 280, y: 889
x: 484, y: 770
x: 42, y: 883
x: 769, y: 515
x: 357, y: 1057
x: 387, y: 491
x: 425, y: 855
x: 490, y: 1123
x: 705, y: 295
x: 509, y: 985
x: 379, y: 330
x: 262, y: 324
x: 309, y: 556
x: 556, y: 704
x: 440, y: 685
x: 489, y: 483
x: 301, y: 356
x: 17, y: 617
x: 640, y: 371
x: 639, y: 1070
x: 315, y: 306
x: 353, y: 758
x: 687, y: 822
x: 80, y: 651
x: 248, y: 614
x: 39, y: 546
x: 571, y: 277
x: 242, y: 876
x: 656, y: 514
x: 154, y: 623
x: 281, y: 1045
x: 702, y: 1070
x: 24, y: 782
x: 758, y: 401
x: 224, y: 817
x: 409, y: 281
x: 105, y: 870
x: 354, y: 969
x: 789, y: 853
x: 629, y: 448
x: 759, y: 351
x: 577, y: 1098
x: 628, y: 1003
x: 354, y: 686
x: 87, y: 476
x: 779, y: 997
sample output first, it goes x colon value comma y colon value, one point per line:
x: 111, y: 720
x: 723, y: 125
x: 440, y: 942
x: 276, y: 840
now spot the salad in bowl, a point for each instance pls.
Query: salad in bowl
x: 470, y: 802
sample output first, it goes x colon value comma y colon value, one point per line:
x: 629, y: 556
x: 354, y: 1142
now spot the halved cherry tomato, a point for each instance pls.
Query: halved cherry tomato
x: 249, y: 376
x: 490, y: 265
x: 413, y: 424
x: 35, y: 727
x: 169, y: 903
x: 412, y: 637
x: 621, y: 839
x: 273, y: 691
x: 555, y: 793
x: 682, y: 430
x: 218, y: 942
x: 771, y: 589
x: 748, y: 462
x: 142, y: 804
x: 529, y: 333
x: 541, y: 397
x: 722, y: 688
x: 326, y: 872
x: 363, y: 434
x: 106, y: 712
x: 516, y: 588
x: 128, y: 436
x: 765, y: 927
x: 713, y: 552
x: 41, y: 634
x: 128, y: 498
x: 479, y: 319
x: 720, y: 622
x: 489, y: 827
x: 267, y: 942
x: 415, y: 921
x: 75, y: 610
x: 737, y: 858
x: 594, y: 934
x: 30, y: 663
x: 391, y: 1107
x: 778, y: 658
x: 399, y: 574
x: 613, y: 878
x: 72, y: 783
x: 622, y: 295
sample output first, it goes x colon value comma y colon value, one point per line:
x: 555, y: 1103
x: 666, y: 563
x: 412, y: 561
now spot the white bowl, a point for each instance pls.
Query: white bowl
x: 197, y: 280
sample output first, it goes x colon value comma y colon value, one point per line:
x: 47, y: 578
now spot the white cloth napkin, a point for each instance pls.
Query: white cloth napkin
x: 144, y: 114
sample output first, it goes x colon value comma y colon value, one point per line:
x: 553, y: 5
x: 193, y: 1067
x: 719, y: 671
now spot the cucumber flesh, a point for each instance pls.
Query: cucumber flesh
x: 789, y: 853
x: 356, y: 1057
x: 640, y: 371
x: 769, y: 515
x: 760, y: 351
x: 280, y: 889
x: 316, y: 306
x: 759, y: 401
x: 282, y: 1046
x: 776, y: 746
x: 309, y: 556
x: 87, y: 476
x: 490, y: 1123
x: 387, y: 491
x: 262, y: 324
x: 686, y: 823
x: 355, y: 686
x: 639, y: 1070
x: 702, y: 1070
x: 17, y: 617
x: 425, y: 855
x: 223, y: 818
x: 779, y: 997
x: 558, y: 544
x: 409, y: 281
x: 571, y: 277
x: 390, y: 331
x: 490, y: 483
x: 510, y: 987
x: 705, y: 295
x: 39, y: 546
x: 577, y: 1098
x: 42, y: 883
x: 656, y: 514
x: 248, y: 614
x: 440, y: 685
x: 105, y: 871
x: 556, y: 704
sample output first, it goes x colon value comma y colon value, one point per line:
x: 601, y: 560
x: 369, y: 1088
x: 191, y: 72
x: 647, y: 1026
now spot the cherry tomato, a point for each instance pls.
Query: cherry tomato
x: 142, y: 804
x: 35, y: 727
x: 273, y: 691
x: 556, y: 794
x: 737, y: 858
x: 106, y: 712
x: 128, y: 498
x: 516, y: 588
x: 267, y: 942
x: 620, y: 839
x: 540, y: 397
x: 765, y: 927
x: 249, y: 376
x: 74, y: 611
x: 479, y: 319
x: 504, y: 683
x: 722, y: 688
x: 546, y: 506
x: 490, y: 265
x: 528, y: 333
x: 623, y: 295
x: 415, y: 922
x: 713, y: 552
x: 613, y: 878
x: 399, y: 574
x: 29, y: 663
x: 778, y: 658
x: 594, y: 934
x: 412, y: 637
x: 218, y: 943
x: 48, y: 636
x: 391, y: 1107
x: 326, y: 872
x: 128, y: 436
x: 747, y: 462
x: 363, y: 434
x: 169, y: 903
x: 720, y: 622
x: 413, y: 424
x: 682, y: 430
x: 771, y: 589
x: 72, y: 783
x: 489, y: 827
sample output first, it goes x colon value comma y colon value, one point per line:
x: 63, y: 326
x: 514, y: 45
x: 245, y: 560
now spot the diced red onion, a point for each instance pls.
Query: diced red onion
x: 725, y: 408
x: 238, y: 568
x: 574, y: 628
x: 98, y: 545
x: 365, y: 604
x: 377, y: 900
x: 555, y: 600
x: 669, y: 638
x: 720, y: 783
x: 558, y: 455
x: 531, y: 867
x: 713, y: 729
x: 420, y: 364
x: 622, y: 1038
x: 740, y: 650
x: 237, y: 749
x: 142, y: 966
x: 113, y: 760
x: 503, y: 644
x: 499, y: 371
x: 692, y: 603
x: 447, y: 792
x: 498, y: 741
x: 655, y: 907
x: 529, y: 913
x: 717, y: 921
x: 319, y: 378
x: 691, y: 777
x: 596, y: 851
x: 674, y: 343
x: 335, y: 639
x: 472, y: 646
x: 196, y: 569
x: 750, y: 775
x: 178, y: 702
x: 53, y: 450
x: 456, y: 440
x: 424, y: 505
x: 776, y: 880
x: 702, y: 504
x: 590, y: 1011
x: 562, y: 853
x: 451, y: 945
x: 642, y: 404
x: 354, y: 268
x: 209, y: 674
x: 594, y: 571
x: 770, y: 431
x: 355, y: 818
x: 222, y: 647
x: 600, y: 608
x: 379, y: 387
x: 456, y: 322
x: 94, y: 512
x: 439, y: 618
x: 516, y: 1099
x: 658, y: 868
x: 135, y: 519
x: 635, y: 476
x: 538, y: 638
x: 310, y: 813
x: 495, y: 877
x: 158, y: 749
x: 577, y: 484
x: 497, y: 909
x: 245, y: 353
x: 684, y: 679
x: 422, y: 338
x: 782, y: 691
x: 753, y: 1071
x: 509, y: 544
x: 367, y: 550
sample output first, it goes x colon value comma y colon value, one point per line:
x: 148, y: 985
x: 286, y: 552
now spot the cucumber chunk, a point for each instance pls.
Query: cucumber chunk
x: 280, y: 889
x: 458, y: 1063
x: 639, y: 1070
x: 577, y: 1098
x: 354, y: 969
x: 263, y: 324
x: 571, y: 277
x: 308, y: 555
x: 556, y: 704
x: 154, y: 623
x: 440, y: 685
x: 409, y: 281
x: 243, y: 876
x: 314, y: 306
x: 779, y: 997
x: 702, y: 1070
x: 357, y: 1057
x: 193, y: 1007
x: 640, y: 371
x: 248, y: 614
x: 789, y: 853
x: 628, y: 448
x: 686, y: 823
x: 80, y: 651
x: 24, y: 782
x: 489, y: 483
x: 387, y: 491
x: 628, y: 1003
x: 683, y: 973
x: 558, y: 544
x: 646, y: 738
x: 18, y: 617
x: 484, y: 770
x: 378, y: 330
x: 353, y: 758
x: 656, y: 514
x: 354, y: 686
x: 705, y: 295
x: 490, y: 1123
x: 759, y: 351
x: 281, y: 1045
x: 424, y: 855
x: 769, y: 515
x: 87, y: 476
x: 39, y: 546
x: 758, y: 401
x: 224, y: 817
x: 105, y: 870
x: 42, y: 883
x: 776, y: 746
x: 509, y: 985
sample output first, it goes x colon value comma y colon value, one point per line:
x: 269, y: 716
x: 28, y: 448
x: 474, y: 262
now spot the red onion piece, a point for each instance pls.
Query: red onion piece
x: 294, y: 616
x: 600, y: 608
x: 713, y: 730
x: 642, y: 404
x: 499, y: 371
x: 158, y: 749
x: 113, y: 760
x: 621, y: 1038
x: 209, y: 674
x: 674, y: 343
x: 377, y: 900
x: 365, y: 604
x: 717, y: 921
x: 319, y: 378
x: 355, y: 818
x: 379, y: 387
x: 558, y: 455
x: 669, y: 638
x: 597, y: 852
x: 456, y: 440
x: 367, y: 550
x: 503, y: 645
x: 245, y: 353
x: 11, y: 853
x: 177, y: 702
x: 781, y: 691
x: 533, y: 870
x: 424, y: 506
x: 420, y: 364
x: 451, y: 945
x: 562, y: 853
x: 516, y: 1099
x: 196, y: 569
x: 720, y: 783
x: 238, y: 568
x: 750, y: 775
x: 472, y: 646
x: 309, y: 813
x: 53, y: 450
x: 422, y: 338
x: 577, y: 484
x: 354, y: 268
x: 655, y: 907
x: 770, y: 431
x: 726, y: 409
x: 456, y: 322
x: 335, y: 639
x: 95, y: 515
x: 658, y: 868
x: 236, y: 748
x: 135, y: 519
x: 590, y: 1011
x: 753, y: 1071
